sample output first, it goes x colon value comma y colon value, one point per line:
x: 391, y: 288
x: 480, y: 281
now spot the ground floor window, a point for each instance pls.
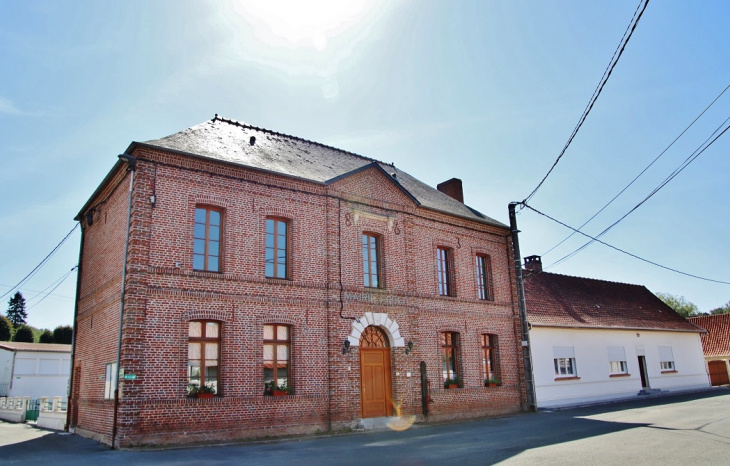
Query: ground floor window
x: 564, y: 361
x: 450, y: 357
x: 564, y: 366
x: 489, y: 357
x: 110, y: 381
x: 277, y: 358
x: 203, y: 355
x: 666, y: 358
x: 617, y: 360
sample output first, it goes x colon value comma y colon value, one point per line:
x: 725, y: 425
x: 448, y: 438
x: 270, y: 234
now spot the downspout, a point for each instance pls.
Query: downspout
x: 132, y: 162
x: 73, y: 335
x: 526, y: 349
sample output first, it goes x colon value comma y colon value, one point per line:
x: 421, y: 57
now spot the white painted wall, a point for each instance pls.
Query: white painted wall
x: 6, y: 370
x: 591, y: 355
x: 37, y: 374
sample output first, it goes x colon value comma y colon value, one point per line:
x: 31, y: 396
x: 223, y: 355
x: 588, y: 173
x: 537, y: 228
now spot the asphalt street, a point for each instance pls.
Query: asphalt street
x: 676, y: 430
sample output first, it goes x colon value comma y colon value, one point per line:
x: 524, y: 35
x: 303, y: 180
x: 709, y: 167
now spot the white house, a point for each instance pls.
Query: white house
x: 594, y: 340
x: 34, y: 369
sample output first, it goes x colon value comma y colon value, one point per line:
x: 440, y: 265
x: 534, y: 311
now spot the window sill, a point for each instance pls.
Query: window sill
x: 561, y: 379
x: 219, y: 272
x: 669, y: 372
x: 278, y: 279
x: 620, y: 375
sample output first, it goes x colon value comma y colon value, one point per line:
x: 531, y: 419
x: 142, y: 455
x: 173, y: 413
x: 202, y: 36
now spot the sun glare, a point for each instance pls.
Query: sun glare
x: 296, y: 23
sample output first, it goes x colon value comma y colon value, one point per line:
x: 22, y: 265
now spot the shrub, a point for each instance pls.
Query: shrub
x: 46, y: 337
x: 63, y: 334
x: 6, y: 329
x: 23, y: 334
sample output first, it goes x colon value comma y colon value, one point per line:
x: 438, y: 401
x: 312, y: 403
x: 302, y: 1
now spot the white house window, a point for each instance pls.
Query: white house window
x: 564, y: 361
x: 617, y: 360
x: 110, y: 380
x: 666, y: 358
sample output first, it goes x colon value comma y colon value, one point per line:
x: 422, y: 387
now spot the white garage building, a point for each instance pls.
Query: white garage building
x: 34, y: 369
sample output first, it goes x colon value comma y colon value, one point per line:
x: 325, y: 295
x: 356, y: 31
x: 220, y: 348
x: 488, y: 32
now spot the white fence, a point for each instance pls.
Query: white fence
x: 51, y: 415
x: 13, y: 409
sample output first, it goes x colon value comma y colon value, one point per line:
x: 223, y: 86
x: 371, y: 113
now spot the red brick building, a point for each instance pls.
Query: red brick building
x: 261, y: 264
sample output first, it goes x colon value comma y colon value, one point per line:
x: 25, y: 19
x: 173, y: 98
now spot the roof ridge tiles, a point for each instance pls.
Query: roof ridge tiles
x: 297, y: 138
x: 528, y: 273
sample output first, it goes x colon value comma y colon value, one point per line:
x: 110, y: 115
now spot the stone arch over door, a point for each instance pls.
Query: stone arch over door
x: 381, y: 320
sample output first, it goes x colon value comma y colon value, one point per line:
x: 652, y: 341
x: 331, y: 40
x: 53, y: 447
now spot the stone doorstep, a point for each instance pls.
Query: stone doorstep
x: 376, y: 423
x: 651, y: 391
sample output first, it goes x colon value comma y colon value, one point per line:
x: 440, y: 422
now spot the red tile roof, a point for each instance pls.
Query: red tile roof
x: 555, y: 300
x: 717, y: 341
x: 43, y: 347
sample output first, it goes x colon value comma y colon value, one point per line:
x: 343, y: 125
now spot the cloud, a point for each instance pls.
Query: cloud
x: 7, y: 106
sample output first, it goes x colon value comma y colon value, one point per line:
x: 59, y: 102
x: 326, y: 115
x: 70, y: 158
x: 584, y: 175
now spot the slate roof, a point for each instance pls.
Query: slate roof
x: 555, y: 300
x: 229, y: 141
x: 42, y: 347
x: 717, y: 341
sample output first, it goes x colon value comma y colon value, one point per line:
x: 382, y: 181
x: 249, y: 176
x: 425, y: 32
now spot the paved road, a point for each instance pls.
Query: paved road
x: 678, y: 430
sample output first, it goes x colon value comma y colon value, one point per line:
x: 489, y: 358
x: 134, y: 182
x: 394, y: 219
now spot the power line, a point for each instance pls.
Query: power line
x: 642, y: 172
x: 59, y: 281
x: 604, y: 79
x: 624, y: 252
x: 37, y: 267
x: 692, y: 157
x: 38, y: 293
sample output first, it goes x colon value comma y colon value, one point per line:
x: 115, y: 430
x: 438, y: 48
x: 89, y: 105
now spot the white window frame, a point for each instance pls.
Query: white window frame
x: 667, y: 365
x: 564, y: 361
x: 565, y: 367
x: 110, y: 380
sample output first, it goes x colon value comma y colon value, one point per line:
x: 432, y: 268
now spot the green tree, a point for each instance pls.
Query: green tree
x: 23, y: 334
x: 63, y: 334
x: 6, y: 329
x: 679, y: 303
x: 46, y: 337
x: 16, y: 309
x: 724, y: 309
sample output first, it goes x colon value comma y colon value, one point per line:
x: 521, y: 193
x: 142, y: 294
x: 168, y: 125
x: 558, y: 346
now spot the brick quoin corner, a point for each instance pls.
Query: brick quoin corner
x: 328, y: 198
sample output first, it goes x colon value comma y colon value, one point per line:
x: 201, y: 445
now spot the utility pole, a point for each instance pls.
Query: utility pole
x: 526, y: 350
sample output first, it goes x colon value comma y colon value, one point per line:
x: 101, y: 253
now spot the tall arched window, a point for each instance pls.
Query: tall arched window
x: 204, y: 343
x: 449, y: 355
x: 489, y: 356
x: 277, y: 248
x: 277, y: 358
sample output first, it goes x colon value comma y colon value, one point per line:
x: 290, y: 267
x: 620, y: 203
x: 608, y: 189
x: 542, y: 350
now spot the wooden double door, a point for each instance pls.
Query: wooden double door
x: 376, y: 384
x: 718, y: 373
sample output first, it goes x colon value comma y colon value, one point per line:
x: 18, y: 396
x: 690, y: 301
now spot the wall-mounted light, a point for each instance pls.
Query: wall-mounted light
x: 129, y: 160
x: 346, y: 347
x: 410, y: 347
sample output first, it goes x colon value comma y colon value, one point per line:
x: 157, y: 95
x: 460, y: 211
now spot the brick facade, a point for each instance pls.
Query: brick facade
x: 326, y: 221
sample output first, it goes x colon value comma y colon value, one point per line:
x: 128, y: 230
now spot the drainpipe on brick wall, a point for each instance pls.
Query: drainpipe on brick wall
x: 132, y: 165
x: 526, y: 350
x: 69, y: 404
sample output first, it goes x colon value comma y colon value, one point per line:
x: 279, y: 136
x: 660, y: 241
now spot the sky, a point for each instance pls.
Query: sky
x: 485, y: 91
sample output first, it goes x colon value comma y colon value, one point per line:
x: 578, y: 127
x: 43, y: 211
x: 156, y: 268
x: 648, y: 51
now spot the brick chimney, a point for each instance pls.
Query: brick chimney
x: 452, y: 188
x: 533, y: 264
